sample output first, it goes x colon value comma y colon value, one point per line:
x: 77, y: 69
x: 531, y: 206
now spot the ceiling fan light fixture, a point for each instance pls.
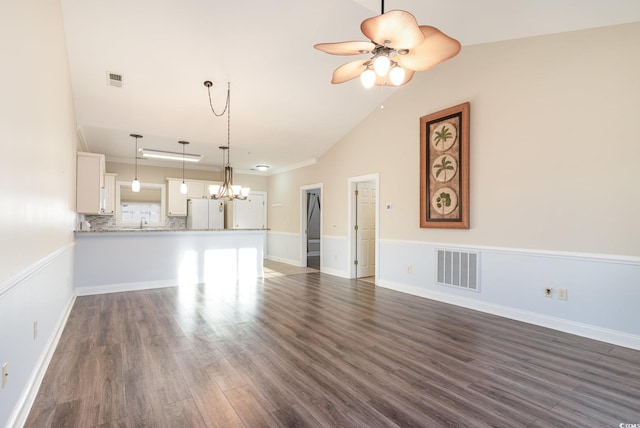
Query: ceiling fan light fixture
x: 392, y: 35
x: 396, y: 75
x: 368, y: 78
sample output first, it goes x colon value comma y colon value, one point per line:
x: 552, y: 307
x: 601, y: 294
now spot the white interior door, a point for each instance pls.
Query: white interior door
x: 366, y: 221
x: 249, y: 214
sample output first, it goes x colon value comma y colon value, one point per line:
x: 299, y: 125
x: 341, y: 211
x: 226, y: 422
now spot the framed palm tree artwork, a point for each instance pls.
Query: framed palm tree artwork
x: 444, y: 168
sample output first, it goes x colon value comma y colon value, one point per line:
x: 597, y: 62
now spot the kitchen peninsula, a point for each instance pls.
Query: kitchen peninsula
x: 133, y: 259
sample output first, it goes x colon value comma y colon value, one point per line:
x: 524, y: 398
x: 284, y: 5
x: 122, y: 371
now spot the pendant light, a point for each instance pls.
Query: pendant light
x: 135, y: 184
x: 227, y: 190
x: 183, y: 186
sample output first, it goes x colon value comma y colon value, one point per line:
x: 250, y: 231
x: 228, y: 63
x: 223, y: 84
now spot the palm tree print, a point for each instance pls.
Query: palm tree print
x: 446, y: 164
x: 442, y: 136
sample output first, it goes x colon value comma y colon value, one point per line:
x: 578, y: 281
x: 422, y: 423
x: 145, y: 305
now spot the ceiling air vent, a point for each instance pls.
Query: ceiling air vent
x: 114, y: 79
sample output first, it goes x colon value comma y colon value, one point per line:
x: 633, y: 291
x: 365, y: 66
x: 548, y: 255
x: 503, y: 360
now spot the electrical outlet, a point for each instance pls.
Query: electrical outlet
x: 35, y: 329
x: 409, y: 269
x: 5, y: 374
x: 548, y: 292
x: 562, y: 294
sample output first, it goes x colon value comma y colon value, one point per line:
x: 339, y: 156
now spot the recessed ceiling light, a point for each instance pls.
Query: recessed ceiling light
x: 262, y: 167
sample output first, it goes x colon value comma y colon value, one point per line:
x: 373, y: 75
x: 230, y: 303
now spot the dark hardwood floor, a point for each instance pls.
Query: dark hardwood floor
x: 315, y: 350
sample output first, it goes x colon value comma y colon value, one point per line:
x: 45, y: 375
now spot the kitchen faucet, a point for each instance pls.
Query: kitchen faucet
x: 142, y: 219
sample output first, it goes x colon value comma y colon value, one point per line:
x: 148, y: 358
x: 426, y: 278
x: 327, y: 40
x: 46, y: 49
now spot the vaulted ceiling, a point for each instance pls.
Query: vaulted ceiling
x: 284, y: 111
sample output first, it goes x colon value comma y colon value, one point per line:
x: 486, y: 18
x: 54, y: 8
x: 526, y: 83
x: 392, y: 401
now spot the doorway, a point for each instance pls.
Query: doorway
x: 311, y: 226
x: 364, y: 226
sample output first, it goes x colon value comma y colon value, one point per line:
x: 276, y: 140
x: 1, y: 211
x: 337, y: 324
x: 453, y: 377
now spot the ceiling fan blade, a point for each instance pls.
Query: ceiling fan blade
x: 345, y: 48
x: 437, y: 47
x: 348, y: 71
x: 397, y: 27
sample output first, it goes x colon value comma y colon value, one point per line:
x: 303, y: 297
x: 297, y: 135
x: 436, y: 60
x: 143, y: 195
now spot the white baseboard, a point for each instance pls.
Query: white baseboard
x: 335, y: 272
x: 125, y: 286
x: 579, y: 329
x: 28, y: 397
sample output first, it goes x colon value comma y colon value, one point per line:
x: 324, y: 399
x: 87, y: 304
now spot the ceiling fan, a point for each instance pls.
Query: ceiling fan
x: 399, y: 46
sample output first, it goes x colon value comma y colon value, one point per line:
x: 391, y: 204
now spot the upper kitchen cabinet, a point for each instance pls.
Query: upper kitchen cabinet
x: 109, y: 193
x: 176, y: 201
x: 90, y: 183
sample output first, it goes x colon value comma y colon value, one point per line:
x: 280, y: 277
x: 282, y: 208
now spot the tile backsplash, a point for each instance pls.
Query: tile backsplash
x: 108, y: 222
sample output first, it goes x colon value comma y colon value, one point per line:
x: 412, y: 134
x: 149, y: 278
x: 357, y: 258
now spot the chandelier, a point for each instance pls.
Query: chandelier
x: 227, y: 190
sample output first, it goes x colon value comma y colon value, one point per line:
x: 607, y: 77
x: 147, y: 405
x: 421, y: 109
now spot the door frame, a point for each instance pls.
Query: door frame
x: 351, y: 221
x: 303, y: 222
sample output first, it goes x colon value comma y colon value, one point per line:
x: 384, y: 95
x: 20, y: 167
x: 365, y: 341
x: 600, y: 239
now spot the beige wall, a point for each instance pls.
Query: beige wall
x: 38, y: 138
x: 157, y: 174
x: 555, y: 147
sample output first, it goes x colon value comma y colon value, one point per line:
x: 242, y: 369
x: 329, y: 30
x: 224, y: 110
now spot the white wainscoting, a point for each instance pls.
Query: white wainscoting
x: 42, y: 293
x: 334, y: 259
x: 602, y: 291
x: 284, y: 247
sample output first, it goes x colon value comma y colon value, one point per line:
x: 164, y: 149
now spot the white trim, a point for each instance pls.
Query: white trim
x: 124, y: 286
x: 572, y: 327
x: 571, y: 255
x: 335, y: 272
x: 20, y: 278
x: 21, y: 411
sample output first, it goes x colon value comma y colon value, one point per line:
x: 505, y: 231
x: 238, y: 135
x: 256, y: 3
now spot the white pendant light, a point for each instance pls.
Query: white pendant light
x: 135, y: 184
x: 183, y: 185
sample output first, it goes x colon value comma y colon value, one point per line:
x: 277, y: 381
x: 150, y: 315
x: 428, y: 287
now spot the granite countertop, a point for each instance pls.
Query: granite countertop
x: 151, y: 229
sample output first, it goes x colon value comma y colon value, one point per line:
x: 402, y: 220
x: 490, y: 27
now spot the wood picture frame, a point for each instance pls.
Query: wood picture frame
x: 444, y: 168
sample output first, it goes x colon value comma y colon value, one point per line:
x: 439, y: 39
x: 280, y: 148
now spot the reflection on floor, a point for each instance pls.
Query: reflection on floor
x: 273, y: 269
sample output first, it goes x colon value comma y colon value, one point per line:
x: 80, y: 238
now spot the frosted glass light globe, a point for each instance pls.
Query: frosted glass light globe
x: 396, y: 75
x: 381, y: 65
x: 368, y: 78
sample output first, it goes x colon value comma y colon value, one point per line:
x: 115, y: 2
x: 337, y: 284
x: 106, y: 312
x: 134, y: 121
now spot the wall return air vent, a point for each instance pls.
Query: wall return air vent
x: 457, y: 268
x: 114, y: 79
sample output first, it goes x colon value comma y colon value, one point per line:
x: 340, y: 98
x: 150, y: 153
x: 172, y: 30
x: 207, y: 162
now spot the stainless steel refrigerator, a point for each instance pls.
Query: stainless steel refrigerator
x: 205, y: 214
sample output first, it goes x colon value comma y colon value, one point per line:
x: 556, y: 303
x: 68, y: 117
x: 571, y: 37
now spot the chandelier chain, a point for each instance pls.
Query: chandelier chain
x: 226, y: 106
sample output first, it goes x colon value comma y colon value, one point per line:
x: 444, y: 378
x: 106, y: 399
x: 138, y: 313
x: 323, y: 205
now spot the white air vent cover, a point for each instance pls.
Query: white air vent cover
x: 114, y: 79
x: 457, y: 268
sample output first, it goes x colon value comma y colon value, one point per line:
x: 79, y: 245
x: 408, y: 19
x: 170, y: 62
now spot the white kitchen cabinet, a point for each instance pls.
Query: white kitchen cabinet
x: 109, y: 193
x: 195, y: 189
x: 176, y: 201
x: 90, y: 169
